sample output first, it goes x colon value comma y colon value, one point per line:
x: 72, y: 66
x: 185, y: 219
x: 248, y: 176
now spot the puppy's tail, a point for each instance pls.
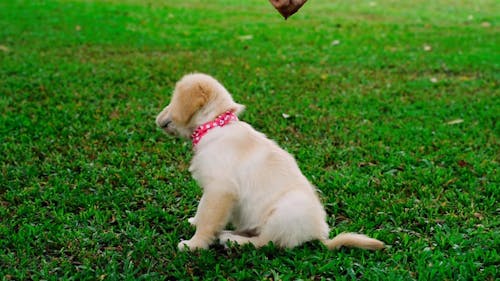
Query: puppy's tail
x: 353, y: 240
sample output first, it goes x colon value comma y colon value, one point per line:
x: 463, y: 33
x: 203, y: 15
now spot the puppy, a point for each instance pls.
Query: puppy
x: 247, y: 179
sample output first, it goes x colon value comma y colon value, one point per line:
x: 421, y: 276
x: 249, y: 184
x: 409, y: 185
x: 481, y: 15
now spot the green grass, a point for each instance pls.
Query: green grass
x: 90, y: 189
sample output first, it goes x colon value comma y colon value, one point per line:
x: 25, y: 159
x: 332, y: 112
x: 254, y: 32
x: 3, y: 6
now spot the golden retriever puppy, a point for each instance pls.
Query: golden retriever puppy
x: 247, y: 179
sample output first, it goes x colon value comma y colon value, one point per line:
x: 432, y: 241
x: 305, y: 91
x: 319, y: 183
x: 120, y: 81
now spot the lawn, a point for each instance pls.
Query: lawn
x: 390, y: 107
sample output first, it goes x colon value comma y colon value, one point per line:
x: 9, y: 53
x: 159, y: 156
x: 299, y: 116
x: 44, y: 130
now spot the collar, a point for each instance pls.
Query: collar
x: 221, y: 120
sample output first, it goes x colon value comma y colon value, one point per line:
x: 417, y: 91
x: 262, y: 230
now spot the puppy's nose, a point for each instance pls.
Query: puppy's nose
x: 163, y: 119
x: 165, y: 123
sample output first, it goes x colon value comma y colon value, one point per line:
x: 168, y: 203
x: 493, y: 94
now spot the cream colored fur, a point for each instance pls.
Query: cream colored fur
x: 247, y: 179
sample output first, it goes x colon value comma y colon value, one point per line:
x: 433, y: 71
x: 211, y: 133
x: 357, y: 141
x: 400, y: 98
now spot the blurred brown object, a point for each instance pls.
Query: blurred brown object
x: 287, y: 7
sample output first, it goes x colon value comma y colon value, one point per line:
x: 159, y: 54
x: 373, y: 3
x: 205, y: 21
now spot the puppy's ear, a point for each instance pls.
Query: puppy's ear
x: 187, y: 100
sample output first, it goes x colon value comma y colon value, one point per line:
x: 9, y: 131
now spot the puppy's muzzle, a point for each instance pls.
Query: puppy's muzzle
x: 164, y: 124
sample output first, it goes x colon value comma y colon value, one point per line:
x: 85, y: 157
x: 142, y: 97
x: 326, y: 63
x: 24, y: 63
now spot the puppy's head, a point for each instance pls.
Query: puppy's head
x: 197, y: 99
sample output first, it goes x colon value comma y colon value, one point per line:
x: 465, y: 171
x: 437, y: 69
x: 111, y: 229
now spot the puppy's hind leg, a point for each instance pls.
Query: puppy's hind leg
x: 240, y: 239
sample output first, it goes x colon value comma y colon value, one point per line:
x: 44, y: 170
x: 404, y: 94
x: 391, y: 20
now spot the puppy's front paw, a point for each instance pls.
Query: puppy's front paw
x: 191, y: 245
x: 192, y: 220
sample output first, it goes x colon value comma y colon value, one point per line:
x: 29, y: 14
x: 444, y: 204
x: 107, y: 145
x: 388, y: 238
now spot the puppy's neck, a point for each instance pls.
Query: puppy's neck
x: 221, y: 121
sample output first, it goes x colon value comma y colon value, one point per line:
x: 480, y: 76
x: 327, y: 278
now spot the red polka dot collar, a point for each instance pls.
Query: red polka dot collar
x: 221, y: 120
